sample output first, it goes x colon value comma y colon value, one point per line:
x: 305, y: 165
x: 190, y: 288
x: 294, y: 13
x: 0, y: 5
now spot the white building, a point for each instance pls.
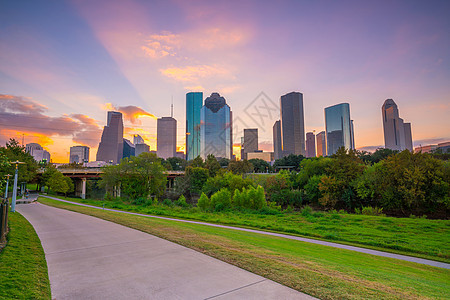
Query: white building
x: 39, y: 154
x: 79, y: 154
x: 397, y: 134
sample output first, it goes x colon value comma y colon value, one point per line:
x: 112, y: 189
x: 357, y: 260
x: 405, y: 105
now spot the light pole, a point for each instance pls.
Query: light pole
x: 13, y: 201
x: 7, y: 182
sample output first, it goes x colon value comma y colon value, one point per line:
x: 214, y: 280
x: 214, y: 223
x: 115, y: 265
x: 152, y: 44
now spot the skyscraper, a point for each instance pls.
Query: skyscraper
x: 277, y: 150
x: 129, y: 149
x: 137, y: 139
x: 79, y: 154
x: 215, y: 132
x: 250, y: 141
x: 339, y: 128
x: 310, y: 144
x: 39, y: 154
x: 110, y: 148
x: 194, y: 102
x: 292, y: 124
x: 321, y: 144
x: 397, y: 134
x: 166, y: 139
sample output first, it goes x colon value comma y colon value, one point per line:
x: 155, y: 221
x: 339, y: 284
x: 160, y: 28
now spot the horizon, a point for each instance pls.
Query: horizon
x: 64, y: 65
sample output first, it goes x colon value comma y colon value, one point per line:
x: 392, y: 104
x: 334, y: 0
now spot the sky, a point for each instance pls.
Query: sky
x: 64, y: 64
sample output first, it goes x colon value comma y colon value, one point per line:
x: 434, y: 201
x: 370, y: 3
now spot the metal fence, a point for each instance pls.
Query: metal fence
x: 4, y: 206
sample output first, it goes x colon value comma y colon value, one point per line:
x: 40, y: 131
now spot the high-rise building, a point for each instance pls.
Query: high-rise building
x: 292, y: 124
x: 141, y: 148
x: 128, y: 149
x: 166, y: 139
x: 194, y: 102
x: 339, y: 128
x: 79, y: 154
x: 397, y: 134
x: 110, y: 148
x: 277, y: 150
x: 137, y: 139
x: 321, y: 144
x: 215, y: 132
x: 310, y: 144
x: 250, y: 141
x: 39, y: 154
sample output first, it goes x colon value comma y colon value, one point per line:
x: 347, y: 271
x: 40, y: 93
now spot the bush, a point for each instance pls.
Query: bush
x: 204, y: 203
x: 221, y: 200
x: 372, y: 211
x: 167, y: 202
x: 306, y: 211
x: 182, y: 201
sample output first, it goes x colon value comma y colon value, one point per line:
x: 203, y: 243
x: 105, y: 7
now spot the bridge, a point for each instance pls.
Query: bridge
x: 81, y: 175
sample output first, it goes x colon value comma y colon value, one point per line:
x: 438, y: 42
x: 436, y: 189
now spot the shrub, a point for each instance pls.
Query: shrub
x: 167, y: 202
x: 372, y: 211
x: 182, y: 201
x: 306, y: 211
x: 238, y: 198
x: 221, y: 200
x: 204, y: 203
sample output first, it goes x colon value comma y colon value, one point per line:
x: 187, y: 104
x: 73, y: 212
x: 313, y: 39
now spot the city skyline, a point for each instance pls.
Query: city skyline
x: 60, y: 73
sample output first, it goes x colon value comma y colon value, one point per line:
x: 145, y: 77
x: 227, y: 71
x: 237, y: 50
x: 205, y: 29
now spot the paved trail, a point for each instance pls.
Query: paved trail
x: 90, y: 258
x: 335, y: 245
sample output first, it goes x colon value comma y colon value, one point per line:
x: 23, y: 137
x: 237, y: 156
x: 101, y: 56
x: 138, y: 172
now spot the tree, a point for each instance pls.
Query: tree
x: 138, y: 177
x: 70, y: 185
x: 293, y: 161
x: 48, y: 173
x: 4, y: 166
x: 221, y: 200
x: 196, y: 162
x: 14, y: 151
x: 197, y: 177
x: 203, y: 202
x: 57, y: 183
x: 212, y: 165
x: 224, y: 162
x: 240, y: 166
x: 177, y: 163
x: 259, y: 165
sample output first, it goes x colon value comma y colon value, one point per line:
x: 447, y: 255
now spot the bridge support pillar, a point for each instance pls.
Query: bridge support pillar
x: 83, y: 188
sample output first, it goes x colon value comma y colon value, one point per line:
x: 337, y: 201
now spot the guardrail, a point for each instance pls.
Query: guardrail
x: 4, y: 207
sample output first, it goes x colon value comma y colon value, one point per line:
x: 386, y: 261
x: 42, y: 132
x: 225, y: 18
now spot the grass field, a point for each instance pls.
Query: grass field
x: 417, y: 237
x: 23, y: 269
x: 324, y: 272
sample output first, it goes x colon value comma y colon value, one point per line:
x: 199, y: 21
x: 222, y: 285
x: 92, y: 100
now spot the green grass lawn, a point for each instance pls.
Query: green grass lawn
x: 23, y: 269
x: 324, y: 272
x: 416, y: 237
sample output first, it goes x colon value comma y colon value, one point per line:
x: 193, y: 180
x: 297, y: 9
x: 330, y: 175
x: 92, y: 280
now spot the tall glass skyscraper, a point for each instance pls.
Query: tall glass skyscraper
x: 110, y: 148
x: 166, y: 137
x: 277, y: 150
x: 215, y: 133
x: 397, y: 134
x: 194, y: 102
x: 339, y: 128
x: 292, y: 124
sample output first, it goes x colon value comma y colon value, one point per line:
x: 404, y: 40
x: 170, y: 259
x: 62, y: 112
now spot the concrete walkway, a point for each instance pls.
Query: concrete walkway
x: 292, y: 237
x: 90, y: 258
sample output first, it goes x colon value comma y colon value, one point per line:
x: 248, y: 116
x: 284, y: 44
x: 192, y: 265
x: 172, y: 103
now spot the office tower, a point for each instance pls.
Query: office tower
x: 267, y: 156
x: 292, y: 124
x: 397, y: 134
x: 339, y: 128
x: 321, y: 144
x: 39, y: 154
x: 310, y: 144
x: 137, y: 139
x: 277, y: 150
x: 128, y: 148
x: 215, y: 131
x: 194, y: 102
x: 141, y: 148
x: 110, y: 148
x: 166, y: 138
x: 79, y: 154
x: 250, y: 141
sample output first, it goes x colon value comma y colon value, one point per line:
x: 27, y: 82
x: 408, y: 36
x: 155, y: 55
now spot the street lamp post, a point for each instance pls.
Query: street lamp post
x: 14, y: 195
x: 7, y: 183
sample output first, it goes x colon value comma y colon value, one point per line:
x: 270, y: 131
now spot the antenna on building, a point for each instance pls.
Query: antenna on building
x: 171, y: 108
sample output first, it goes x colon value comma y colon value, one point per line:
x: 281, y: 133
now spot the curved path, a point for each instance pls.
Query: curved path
x: 90, y: 258
x: 292, y: 237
